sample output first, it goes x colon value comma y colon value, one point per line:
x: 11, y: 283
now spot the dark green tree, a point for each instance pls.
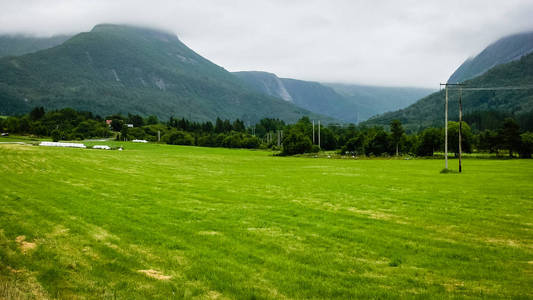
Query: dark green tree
x: 180, y: 138
x: 397, y: 132
x: 355, y: 145
x: 152, y: 120
x: 238, y: 125
x: 379, y: 143
x: 490, y: 140
x: 510, y: 133
x: 56, y: 135
x: 136, y: 120
x: 429, y: 141
x: 116, y: 124
x: 526, y: 145
x: 37, y: 113
x: 467, y: 137
x: 219, y: 126
x: 295, y: 142
x: 124, y: 132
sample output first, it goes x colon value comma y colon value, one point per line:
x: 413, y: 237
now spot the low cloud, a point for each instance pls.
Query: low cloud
x: 414, y: 43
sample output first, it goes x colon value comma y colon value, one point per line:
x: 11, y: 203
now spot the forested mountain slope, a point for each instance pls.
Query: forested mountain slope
x: 504, y: 50
x: 429, y: 111
x: 349, y: 103
x: 126, y: 69
x: 14, y: 45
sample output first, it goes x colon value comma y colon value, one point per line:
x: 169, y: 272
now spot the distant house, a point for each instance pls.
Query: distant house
x: 129, y: 125
x: 108, y: 122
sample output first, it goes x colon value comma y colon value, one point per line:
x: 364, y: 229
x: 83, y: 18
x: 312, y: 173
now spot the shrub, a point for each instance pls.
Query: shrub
x: 179, y: 138
x: 295, y: 143
x: 56, y: 135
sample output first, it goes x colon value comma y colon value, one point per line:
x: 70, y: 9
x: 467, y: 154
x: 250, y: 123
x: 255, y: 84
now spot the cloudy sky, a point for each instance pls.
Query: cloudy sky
x: 389, y: 42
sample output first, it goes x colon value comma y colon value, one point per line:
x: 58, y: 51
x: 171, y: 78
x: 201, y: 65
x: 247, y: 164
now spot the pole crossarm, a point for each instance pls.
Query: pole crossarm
x: 465, y: 87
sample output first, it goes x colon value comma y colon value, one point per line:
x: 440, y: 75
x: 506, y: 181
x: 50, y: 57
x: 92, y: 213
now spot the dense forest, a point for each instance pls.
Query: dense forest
x: 501, y: 134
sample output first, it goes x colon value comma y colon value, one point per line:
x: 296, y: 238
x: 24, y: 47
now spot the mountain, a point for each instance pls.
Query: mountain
x: 349, y: 103
x: 309, y: 95
x: 127, y: 69
x: 378, y: 99
x: 429, y: 111
x: 20, y: 44
x: 504, y: 50
x: 266, y: 83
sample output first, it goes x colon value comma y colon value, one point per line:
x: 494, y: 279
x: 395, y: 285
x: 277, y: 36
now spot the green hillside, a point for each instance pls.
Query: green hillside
x: 266, y: 83
x: 375, y: 100
x: 319, y: 98
x: 347, y: 102
x: 125, y: 69
x: 21, y: 44
x: 429, y: 111
x: 504, y: 50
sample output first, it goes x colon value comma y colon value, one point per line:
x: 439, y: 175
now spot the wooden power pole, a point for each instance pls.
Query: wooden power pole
x: 446, y: 130
x: 460, y: 126
x: 460, y: 85
x: 318, y: 134
x: 313, y: 132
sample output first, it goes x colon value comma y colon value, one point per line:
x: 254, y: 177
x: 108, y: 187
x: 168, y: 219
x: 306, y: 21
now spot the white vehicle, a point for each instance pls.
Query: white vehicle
x: 140, y: 141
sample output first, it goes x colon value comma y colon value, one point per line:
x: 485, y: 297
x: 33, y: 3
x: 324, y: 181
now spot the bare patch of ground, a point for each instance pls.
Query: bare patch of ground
x: 155, y: 274
x: 378, y: 215
x: 213, y: 295
x: 25, y: 246
x: 208, y: 233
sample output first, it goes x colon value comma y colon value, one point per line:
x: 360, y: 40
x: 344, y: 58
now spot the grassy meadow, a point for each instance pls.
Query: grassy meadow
x: 159, y: 221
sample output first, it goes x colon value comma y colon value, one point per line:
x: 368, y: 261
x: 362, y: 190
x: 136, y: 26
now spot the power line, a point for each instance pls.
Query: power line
x: 463, y: 87
x: 495, y: 88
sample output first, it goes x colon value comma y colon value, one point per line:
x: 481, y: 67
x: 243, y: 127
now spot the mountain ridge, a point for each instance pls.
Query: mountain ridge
x: 429, y: 111
x: 504, y: 50
x: 350, y: 103
x: 130, y: 69
x: 18, y: 44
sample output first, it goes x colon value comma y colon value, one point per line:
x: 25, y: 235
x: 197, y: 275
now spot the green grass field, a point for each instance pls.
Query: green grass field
x: 158, y: 221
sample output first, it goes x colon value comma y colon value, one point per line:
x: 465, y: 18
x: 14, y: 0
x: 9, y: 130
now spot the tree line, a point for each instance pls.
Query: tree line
x: 289, y: 139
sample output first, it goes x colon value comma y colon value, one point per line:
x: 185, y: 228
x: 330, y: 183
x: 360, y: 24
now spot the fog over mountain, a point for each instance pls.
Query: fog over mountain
x: 387, y: 43
x: 502, y: 51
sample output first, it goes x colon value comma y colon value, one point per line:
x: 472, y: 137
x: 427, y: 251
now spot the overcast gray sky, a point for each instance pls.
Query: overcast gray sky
x: 400, y: 43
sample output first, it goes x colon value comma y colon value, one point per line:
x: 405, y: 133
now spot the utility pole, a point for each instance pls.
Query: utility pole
x: 446, y: 122
x: 460, y: 126
x: 318, y: 134
x: 313, y: 132
x: 446, y: 130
